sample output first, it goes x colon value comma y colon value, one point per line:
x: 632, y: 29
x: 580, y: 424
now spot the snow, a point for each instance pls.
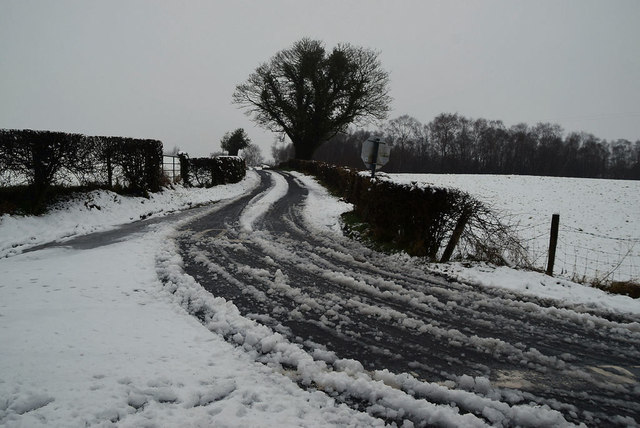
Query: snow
x: 108, y: 336
x: 93, y: 338
x: 102, y: 342
x: 330, y: 374
x: 322, y: 210
x: 539, y: 285
x: 259, y: 205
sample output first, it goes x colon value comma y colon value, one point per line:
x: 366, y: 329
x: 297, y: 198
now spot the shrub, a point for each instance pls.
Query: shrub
x: 43, y: 159
x: 207, y: 172
x: 140, y: 161
x: 628, y: 288
x: 39, y: 155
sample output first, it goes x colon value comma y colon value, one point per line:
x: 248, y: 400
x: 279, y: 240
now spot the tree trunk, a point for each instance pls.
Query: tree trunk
x: 455, y: 236
x: 304, y: 149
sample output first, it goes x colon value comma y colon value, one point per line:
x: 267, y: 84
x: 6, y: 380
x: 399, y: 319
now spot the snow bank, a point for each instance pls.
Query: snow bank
x: 540, y: 285
x: 102, y: 344
x: 322, y: 211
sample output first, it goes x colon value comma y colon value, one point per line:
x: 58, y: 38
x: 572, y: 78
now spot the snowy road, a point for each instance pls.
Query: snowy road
x: 488, y: 356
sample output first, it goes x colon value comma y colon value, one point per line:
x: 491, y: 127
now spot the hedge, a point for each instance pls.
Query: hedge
x: 208, y: 172
x: 417, y: 219
x: 139, y: 161
x: 45, y: 158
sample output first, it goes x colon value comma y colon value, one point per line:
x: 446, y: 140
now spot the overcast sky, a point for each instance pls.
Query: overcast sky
x: 167, y: 69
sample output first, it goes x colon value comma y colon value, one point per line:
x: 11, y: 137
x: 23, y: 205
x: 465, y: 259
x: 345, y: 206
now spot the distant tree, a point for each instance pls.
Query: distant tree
x: 281, y: 151
x: 621, y: 159
x: 173, y: 152
x: 443, y: 132
x: 569, y: 165
x: 549, y: 148
x: 489, y: 138
x: 235, y: 141
x: 522, y: 150
x: 593, y: 157
x: 635, y: 168
x: 408, y: 138
x: 404, y: 132
x: 464, y: 148
x: 310, y: 94
x: 252, y: 155
x: 343, y: 149
x: 452, y: 143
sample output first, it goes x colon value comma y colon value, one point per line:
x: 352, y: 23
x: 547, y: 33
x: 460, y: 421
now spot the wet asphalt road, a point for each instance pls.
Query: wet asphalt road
x: 327, y: 292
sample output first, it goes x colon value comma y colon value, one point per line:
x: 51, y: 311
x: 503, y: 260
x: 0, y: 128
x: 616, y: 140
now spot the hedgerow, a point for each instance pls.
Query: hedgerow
x: 423, y: 221
x: 207, y: 172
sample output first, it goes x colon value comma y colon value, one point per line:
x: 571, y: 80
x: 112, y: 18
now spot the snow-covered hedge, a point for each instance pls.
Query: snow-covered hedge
x: 207, y: 172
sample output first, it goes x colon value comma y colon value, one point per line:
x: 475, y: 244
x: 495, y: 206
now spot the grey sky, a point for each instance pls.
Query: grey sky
x: 167, y: 69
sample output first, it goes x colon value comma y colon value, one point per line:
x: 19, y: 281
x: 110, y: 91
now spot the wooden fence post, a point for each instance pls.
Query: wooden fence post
x: 553, y: 242
x: 173, y: 166
x: 109, y: 171
x: 455, y: 236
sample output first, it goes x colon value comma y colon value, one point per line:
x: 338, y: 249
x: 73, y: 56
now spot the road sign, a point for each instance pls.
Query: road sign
x: 375, y: 154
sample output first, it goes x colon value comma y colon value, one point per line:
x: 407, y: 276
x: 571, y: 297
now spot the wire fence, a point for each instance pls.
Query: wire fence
x: 583, y: 255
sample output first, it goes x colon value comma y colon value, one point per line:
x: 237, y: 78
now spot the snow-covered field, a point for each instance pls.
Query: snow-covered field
x: 599, y: 219
x: 93, y: 337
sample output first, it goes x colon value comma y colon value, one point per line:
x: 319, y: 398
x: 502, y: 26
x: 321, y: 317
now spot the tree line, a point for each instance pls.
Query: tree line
x: 452, y: 143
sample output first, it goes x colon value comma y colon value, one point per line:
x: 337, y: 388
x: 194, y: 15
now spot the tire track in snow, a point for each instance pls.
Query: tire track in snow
x: 260, y: 204
x: 522, y: 316
x: 339, y: 300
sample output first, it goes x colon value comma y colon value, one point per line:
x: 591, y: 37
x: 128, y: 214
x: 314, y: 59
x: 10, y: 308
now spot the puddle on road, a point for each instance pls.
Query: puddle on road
x: 513, y: 379
x: 587, y: 378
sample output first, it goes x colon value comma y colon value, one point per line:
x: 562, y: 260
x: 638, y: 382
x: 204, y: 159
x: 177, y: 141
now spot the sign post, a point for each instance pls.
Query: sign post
x: 375, y: 154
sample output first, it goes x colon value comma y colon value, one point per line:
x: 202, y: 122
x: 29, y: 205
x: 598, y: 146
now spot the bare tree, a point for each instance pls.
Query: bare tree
x: 252, y: 155
x: 173, y: 152
x: 235, y: 141
x: 443, y: 131
x: 281, y: 151
x: 310, y: 94
x: 404, y: 132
